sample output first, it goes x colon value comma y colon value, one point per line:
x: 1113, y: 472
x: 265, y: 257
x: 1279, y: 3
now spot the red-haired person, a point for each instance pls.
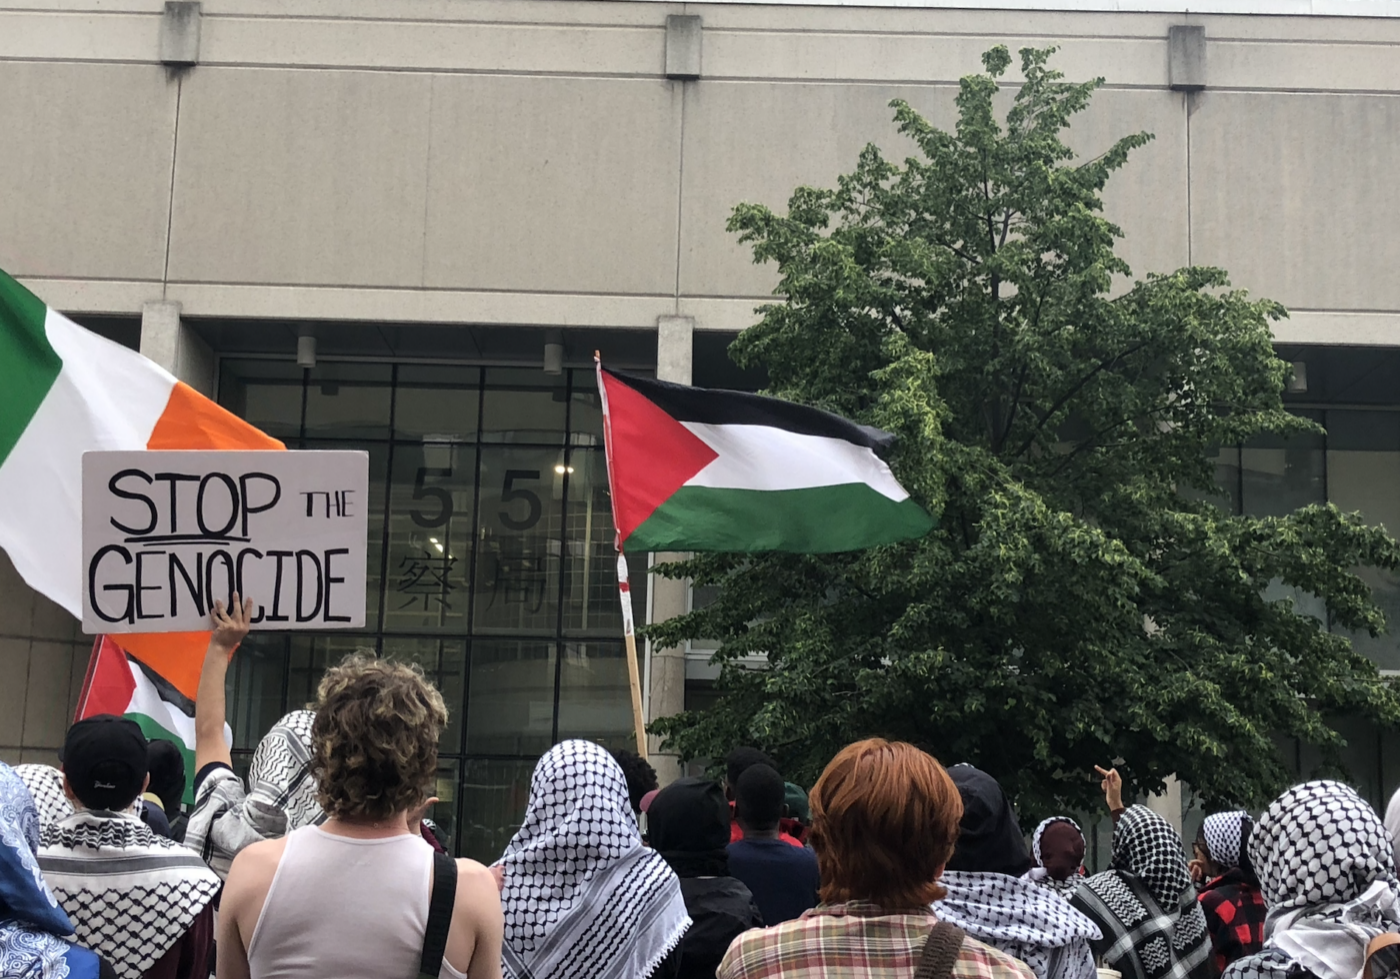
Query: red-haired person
x: 884, y: 821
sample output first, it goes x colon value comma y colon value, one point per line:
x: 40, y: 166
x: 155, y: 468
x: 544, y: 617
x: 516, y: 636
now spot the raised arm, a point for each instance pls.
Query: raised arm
x: 1112, y: 786
x: 230, y: 626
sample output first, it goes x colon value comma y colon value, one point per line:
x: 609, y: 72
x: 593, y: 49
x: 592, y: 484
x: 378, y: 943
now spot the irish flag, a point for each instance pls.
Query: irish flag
x: 118, y: 683
x: 63, y: 391
x: 701, y: 470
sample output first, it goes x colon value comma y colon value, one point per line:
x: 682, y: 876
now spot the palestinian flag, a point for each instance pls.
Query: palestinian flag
x: 64, y: 391
x: 117, y: 683
x: 700, y: 470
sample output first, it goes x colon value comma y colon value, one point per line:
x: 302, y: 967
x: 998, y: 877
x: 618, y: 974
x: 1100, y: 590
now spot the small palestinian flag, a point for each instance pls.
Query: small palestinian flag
x: 702, y: 470
x: 118, y: 683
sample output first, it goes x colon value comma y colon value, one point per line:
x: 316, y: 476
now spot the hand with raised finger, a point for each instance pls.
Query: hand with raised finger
x: 1112, y: 786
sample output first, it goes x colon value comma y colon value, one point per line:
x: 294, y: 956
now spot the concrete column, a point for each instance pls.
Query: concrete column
x: 172, y: 344
x: 675, y: 356
x: 1168, y: 804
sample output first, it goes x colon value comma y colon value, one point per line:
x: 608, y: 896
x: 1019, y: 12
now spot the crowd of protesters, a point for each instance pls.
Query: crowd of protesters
x: 320, y: 863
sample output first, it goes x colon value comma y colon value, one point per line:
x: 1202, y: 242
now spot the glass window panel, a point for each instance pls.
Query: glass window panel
x: 585, y: 411
x: 444, y: 811
x: 311, y: 656
x: 524, y: 406
x: 374, y: 524
x: 494, y: 795
x: 1363, y: 474
x: 595, y: 698
x: 348, y: 401
x: 444, y: 662
x: 1227, y: 478
x: 510, y: 710
x: 266, y: 393
x: 518, y: 540
x: 591, y: 603
x: 430, y: 537
x: 1282, y: 475
x: 437, y: 403
x: 255, y: 687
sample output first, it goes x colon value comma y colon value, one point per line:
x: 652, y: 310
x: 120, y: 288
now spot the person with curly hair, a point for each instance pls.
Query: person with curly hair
x: 362, y: 894
x: 640, y: 776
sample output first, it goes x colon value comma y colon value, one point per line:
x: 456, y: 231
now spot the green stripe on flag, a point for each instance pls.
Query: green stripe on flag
x: 153, y: 730
x: 28, y: 365
x: 816, y: 520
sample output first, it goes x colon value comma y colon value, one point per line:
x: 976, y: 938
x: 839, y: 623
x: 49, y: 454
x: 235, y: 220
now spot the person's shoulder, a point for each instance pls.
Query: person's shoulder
x: 477, y: 889
x: 758, y: 948
x: 257, y: 862
x: 977, y: 960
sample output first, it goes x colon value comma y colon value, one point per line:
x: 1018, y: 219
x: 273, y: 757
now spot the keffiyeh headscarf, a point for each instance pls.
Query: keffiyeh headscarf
x: 1225, y: 834
x: 45, y: 785
x: 1026, y: 922
x: 1327, y: 872
x: 130, y: 893
x: 1040, y: 875
x: 582, y: 896
x: 1152, y: 925
x: 988, y: 899
x: 280, y: 796
x: 32, y: 924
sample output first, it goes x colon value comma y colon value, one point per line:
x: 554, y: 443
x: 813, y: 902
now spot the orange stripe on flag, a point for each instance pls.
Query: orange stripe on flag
x: 190, y: 421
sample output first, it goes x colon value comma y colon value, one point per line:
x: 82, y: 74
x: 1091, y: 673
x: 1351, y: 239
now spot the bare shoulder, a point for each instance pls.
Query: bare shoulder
x: 255, y: 866
x: 476, y: 887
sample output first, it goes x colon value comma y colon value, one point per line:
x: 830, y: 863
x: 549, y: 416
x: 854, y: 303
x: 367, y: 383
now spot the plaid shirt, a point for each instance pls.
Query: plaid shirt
x: 855, y: 941
x: 1234, y: 913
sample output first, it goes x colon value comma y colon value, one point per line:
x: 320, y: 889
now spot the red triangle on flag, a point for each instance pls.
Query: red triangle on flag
x: 108, y: 686
x: 650, y: 455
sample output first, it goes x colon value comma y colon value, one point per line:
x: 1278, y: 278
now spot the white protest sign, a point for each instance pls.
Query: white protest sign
x: 167, y: 533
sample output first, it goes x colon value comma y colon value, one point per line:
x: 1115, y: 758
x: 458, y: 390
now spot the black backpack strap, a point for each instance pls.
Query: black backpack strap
x: 940, y: 952
x: 439, y: 915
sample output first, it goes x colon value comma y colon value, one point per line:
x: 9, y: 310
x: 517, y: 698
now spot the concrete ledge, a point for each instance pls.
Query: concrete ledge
x: 1340, y: 328
x: 421, y: 306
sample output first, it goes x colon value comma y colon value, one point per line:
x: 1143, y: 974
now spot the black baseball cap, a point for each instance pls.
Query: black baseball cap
x: 104, y: 757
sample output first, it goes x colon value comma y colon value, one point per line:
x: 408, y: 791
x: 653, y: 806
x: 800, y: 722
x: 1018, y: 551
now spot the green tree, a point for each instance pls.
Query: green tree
x: 1082, y: 598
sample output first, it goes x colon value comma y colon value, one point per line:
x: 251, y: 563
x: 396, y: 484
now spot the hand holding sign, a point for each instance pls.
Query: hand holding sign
x: 168, y: 537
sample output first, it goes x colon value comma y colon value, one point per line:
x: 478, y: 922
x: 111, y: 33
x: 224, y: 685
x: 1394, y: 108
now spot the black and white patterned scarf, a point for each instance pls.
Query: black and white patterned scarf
x: 130, y: 893
x: 1225, y: 835
x: 582, y: 896
x: 1026, y: 922
x: 45, y: 785
x: 1152, y: 925
x: 280, y: 796
x: 1327, y: 873
x: 1040, y: 876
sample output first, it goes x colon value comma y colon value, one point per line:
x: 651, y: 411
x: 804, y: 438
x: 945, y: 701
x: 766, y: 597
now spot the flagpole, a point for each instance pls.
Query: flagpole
x: 634, y: 680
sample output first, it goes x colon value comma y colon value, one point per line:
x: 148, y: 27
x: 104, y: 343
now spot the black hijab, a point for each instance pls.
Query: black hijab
x: 990, y: 840
x: 688, y: 824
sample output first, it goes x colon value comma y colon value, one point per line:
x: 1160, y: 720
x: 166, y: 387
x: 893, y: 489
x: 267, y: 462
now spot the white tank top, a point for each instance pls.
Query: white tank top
x: 355, y: 909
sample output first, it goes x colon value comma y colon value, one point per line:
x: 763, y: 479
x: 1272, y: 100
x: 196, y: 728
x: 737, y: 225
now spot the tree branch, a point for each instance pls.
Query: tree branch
x: 1064, y: 399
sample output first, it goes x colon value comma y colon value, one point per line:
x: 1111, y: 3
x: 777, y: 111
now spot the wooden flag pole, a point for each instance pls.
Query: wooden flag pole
x: 634, y: 679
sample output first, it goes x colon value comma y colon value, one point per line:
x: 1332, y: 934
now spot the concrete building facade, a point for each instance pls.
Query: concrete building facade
x: 435, y: 189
